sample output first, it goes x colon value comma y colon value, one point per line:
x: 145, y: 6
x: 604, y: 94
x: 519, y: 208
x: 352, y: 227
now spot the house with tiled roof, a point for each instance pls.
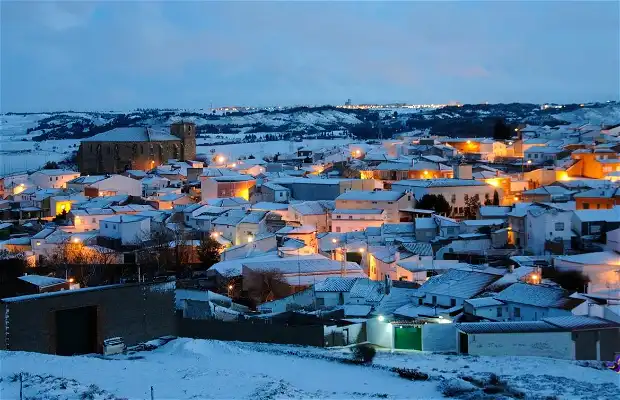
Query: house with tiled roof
x: 525, y: 302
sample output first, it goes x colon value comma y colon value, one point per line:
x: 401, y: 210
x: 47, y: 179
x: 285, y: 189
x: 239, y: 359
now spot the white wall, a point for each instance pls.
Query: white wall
x: 52, y: 181
x: 85, y: 223
x: 542, y: 228
x: 380, y: 333
x: 128, y: 232
x: 120, y: 184
x: 439, y: 337
x: 539, y: 344
x: 459, y: 192
x: 354, y: 225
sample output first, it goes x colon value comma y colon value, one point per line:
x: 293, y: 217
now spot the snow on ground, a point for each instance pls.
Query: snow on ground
x: 19, y: 155
x: 187, y: 368
x: 260, y: 149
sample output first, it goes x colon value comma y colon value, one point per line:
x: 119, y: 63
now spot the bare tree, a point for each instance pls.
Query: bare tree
x: 266, y: 285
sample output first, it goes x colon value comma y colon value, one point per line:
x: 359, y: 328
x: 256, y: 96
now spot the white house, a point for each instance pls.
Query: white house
x: 153, y: 184
x: 547, y: 222
x: 389, y: 200
x: 453, y: 287
x: 350, y: 220
x: 600, y: 267
x: 128, y: 229
x: 53, y: 178
x: 526, y: 302
x: 455, y: 191
x: 88, y: 219
x: 273, y: 192
x: 114, y: 185
x: 314, y: 213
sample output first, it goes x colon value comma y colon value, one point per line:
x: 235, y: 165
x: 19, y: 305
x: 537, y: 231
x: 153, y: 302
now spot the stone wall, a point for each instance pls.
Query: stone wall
x: 117, y: 157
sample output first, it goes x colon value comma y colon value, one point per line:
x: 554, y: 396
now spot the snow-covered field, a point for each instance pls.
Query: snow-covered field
x: 204, y: 369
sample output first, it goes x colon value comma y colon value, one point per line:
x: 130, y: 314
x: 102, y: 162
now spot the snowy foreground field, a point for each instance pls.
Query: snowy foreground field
x: 204, y: 369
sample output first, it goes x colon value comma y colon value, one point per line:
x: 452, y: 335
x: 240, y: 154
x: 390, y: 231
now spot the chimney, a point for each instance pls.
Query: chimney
x: 387, y: 284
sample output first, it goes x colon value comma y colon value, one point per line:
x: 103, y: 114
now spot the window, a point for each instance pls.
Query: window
x: 559, y: 226
x: 113, y: 226
x: 390, y: 202
x: 94, y: 220
x: 106, y: 225
x: 420, y: 301
x: 50, y: 178
x: 434, y: 299
x: 517, y: 312
x: 598, y: 206
x: 337, y: 229
x: 586, y: 206
x: 56, y: 178
x: 452, y: 302
x: 536, y: 155
x: 187, y: 218
x: 499, y: 311
x: 374, y: 202
x: 350, y: 216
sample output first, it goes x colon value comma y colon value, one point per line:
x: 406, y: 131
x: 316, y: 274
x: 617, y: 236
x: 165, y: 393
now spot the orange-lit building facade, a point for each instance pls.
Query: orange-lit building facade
x: 226, y: 186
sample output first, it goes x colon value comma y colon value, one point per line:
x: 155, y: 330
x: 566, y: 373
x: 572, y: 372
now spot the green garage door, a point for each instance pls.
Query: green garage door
x: 408, y: 337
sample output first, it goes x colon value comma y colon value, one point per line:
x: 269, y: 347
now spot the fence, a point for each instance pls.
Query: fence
x: 251, y: 331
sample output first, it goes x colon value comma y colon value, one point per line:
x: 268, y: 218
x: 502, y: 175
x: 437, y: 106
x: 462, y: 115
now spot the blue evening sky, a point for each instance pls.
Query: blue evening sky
x: 120, y: 55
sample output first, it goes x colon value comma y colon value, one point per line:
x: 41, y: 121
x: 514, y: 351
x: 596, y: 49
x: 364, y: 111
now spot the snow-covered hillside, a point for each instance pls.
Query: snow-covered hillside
x: 191, y: 369
x: 609, y: 114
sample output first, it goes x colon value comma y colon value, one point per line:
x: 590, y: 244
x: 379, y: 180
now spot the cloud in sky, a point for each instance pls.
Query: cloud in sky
x: 122, y: 55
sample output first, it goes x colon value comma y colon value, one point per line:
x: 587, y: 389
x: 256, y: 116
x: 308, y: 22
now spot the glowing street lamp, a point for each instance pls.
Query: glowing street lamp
x: 221, y: 159
x: 361, y: 250
x: 381, y: 318
x: 76, y: 240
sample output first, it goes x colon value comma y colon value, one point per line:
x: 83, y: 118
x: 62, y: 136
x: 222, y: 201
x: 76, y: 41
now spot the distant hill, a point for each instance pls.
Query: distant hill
x: 465, y: 120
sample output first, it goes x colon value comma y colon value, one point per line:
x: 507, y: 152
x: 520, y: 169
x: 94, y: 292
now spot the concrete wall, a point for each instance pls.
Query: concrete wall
x: 31, y: 326
x: 439, y: 337
x: 540, y: 344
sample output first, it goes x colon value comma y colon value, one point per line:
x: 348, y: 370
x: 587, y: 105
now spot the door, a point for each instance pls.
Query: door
x: 408, y: 337
x: 463, y: 343
x: 76, y: 331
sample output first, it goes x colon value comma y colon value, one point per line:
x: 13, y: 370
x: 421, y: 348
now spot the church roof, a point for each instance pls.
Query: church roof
x: 132, y: 134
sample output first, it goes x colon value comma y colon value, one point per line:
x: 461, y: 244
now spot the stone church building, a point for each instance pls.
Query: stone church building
x: 121, y: 149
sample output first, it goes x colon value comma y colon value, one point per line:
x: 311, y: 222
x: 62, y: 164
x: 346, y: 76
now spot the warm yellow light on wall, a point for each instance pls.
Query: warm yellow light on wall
x: 243, y: 193
x: 493, y: 182
x: 63, y: 206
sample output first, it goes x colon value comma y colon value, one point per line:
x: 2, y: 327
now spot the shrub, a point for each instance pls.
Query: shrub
x: 455, y: 387
x: 409, y: 373
x: 364, y: 353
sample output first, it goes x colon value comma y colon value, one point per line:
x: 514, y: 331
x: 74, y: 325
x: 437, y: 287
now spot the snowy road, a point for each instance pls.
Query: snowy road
x: 202, y: 369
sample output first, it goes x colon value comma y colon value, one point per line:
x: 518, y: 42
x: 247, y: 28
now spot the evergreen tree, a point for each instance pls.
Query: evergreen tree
x: 501, y: 131
x: 208, y: 251
x: 495, y: 198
